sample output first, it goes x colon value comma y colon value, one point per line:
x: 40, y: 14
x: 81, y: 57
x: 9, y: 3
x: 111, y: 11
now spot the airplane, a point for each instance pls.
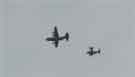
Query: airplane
x: 92, y: 52
x: 56, y: 38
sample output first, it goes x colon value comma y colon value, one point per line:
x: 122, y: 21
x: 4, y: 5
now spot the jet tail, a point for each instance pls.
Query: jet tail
x: 67, y: 36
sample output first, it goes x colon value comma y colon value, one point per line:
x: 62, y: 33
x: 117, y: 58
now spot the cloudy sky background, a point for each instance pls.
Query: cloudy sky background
x: 105, y: 24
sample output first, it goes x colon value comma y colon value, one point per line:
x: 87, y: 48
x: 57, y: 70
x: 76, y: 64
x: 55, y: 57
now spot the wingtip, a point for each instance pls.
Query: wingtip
x: 55, y: 27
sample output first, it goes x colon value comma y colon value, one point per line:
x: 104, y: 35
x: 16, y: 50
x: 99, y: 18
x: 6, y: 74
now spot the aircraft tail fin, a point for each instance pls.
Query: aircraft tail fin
x: 99, y: 51
x: 67, y: 36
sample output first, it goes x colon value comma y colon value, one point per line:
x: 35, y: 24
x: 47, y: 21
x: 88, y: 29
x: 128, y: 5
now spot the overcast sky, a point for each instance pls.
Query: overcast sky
x: 105, y: 24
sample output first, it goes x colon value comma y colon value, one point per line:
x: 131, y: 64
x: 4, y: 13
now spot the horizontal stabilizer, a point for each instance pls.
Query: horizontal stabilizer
x: 67, y: 36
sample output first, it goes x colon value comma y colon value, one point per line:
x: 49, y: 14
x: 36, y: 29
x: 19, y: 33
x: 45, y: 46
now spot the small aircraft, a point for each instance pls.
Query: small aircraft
x: 56, y: 38
x: 92, y: 52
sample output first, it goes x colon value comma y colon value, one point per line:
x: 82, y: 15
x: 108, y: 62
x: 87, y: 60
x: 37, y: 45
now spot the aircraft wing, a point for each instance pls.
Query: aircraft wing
x: 55, y: 33
x: 56, y: 43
